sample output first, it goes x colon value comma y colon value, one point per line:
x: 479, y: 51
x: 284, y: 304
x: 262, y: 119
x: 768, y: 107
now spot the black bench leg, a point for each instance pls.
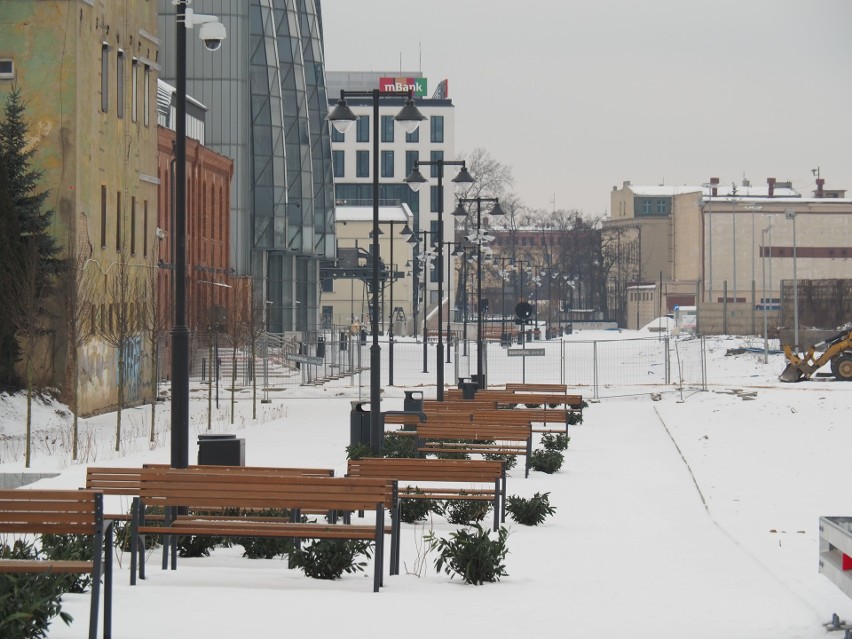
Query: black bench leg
x: 496, y: 505
x: 378, y: 561
x: 134, y: 542
x: 108, y: 549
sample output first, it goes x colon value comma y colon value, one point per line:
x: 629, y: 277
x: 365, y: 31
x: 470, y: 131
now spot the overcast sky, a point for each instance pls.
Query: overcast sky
x: 579, y: 96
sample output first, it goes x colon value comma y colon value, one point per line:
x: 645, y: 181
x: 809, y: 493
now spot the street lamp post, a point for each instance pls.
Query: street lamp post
x: 478, y: 238
x: 342, y: 118
x: 186, y: 19
x: 790, y: 214
x: 763, y: 277
x: 416, y: 180
x: 424, y: 258
x: 405, y: 232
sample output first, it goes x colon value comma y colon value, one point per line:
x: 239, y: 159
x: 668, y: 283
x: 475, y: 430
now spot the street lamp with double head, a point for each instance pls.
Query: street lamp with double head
x: 342, y: 118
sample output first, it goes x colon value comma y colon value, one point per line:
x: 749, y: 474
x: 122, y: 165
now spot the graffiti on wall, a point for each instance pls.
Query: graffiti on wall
x: 132, y: 368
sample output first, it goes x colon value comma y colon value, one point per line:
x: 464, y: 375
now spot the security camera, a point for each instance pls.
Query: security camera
x: 212, y: 34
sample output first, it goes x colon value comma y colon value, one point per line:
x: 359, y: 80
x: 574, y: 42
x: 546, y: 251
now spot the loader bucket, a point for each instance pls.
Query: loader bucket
x: 791, y: 373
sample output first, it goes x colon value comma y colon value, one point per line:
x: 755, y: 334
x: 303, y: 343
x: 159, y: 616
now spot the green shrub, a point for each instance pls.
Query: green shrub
x: 464, y: 511
x: 330, y: 558
x: 29, y: 602
x: 575, y: 418
x: 546, y: 461
x: 472, y: 555
x: 69, y: 548
x: 555, y: 441
x: 452, y: 449
x: 530, y: 512
x: 413, y: 510
x: 358, y: 451
x: 396, y: 445
x: 264, y: 547
x: 510, y: 460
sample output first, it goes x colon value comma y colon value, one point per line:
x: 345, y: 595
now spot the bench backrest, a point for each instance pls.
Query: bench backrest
x: 537, y: 388
x: 475, y: 432
x: 127, y: 481
x: 439, y: 470
x: 262, y: 490
x: 61, y: 512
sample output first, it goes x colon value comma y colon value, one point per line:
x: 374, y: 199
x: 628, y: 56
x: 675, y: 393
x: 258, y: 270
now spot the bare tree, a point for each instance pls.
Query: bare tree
x: 30, y: 292
x: 236, y: 331
x: 255, y: 333
x: 119, y: 327
x: 154, y: 323
x: 78, y: 289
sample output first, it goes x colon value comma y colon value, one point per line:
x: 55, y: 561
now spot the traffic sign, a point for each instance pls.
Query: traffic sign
x: 304, y: 359
x: 525, y: 352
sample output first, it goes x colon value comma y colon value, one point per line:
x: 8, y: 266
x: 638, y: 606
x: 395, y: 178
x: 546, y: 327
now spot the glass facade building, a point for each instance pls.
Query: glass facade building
x: 266, y: 98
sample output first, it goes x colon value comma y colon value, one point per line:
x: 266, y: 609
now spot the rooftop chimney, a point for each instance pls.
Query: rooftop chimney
x: 714, y: 182
x: 771, y: 183
x: 820, y: 183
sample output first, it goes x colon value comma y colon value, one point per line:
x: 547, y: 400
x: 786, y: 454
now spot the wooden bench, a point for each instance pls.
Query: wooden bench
x: 512, y: 399
x: 476, y: 439
x: 252, y: 491
x: 537, y: 388
x: 63, y: 512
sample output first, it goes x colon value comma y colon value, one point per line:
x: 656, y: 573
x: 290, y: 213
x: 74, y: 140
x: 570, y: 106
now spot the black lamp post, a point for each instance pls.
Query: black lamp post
x: 423, y: 260
x: 405, y: 232
x: 479, y: 238
x: 211, y: 31
x: 342, y: 118
x: 416, y: 180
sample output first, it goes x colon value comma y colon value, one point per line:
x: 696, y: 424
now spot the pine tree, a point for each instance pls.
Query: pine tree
x: 10, y: 352
x: 23, y: 218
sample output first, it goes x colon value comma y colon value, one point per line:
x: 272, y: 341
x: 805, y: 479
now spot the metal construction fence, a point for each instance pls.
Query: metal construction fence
x: 598, y: 368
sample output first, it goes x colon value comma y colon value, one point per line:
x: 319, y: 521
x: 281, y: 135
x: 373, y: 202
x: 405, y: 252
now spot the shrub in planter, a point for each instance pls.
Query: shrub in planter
x: 264, y: 547
x: 464, y: 512
x: 413, y: 510
x: 28, y: 602
x: 471, y: 554
x: 555, y: 441
x: 546, y: 461
x: 397, y: 446
x: 530, y: 512
x: 330, y: 558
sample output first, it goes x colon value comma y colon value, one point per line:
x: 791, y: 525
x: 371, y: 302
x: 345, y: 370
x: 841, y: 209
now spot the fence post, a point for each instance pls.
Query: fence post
x: 595, y: 368
x: 561, y: 360
x: 668, y: 360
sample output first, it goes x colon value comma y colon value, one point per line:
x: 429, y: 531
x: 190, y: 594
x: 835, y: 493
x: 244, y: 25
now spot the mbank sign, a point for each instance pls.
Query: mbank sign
x: 417, y: 85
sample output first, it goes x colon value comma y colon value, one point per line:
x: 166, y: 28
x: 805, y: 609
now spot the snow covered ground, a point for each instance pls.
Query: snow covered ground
x: 692, y: 516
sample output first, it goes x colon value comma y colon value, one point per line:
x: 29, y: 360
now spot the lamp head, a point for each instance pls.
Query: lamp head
x: 341, y: 117
x: 409, y: 117
x: 415, y: 179
x: 463, y: 176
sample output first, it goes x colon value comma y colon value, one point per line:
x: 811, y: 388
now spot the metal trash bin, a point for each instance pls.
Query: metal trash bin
x: 479, y: 379
x: 413, y: 402
x: 363, y: 337
x: 221, y: 450
x: 462, y: 381
x: 469, y: 390
x: 359, y: 424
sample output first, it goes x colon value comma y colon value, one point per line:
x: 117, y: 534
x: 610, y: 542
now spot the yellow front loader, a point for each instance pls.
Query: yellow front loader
x: 836, y: 349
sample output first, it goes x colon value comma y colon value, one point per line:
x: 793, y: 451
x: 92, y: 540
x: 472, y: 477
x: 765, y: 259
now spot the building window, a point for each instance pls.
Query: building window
x: 134, y: 90
x: 337, y: 136
x: 105, y: 78
x: 387, y: 164
x: 119, y: 84
x: 7, y: 69
x: 362, y: 131
x: 436, y: 127
x: 387, y: 128
x: 411, y: 157
x: 103, y: 215
x: 434, y: 198
x: 133, y: 225
x: 362, y: 164
x: 337, y: 159
x: 413, y: 137
x: 661, y: 207
x: 118, y: 221
x: 436, y: 156
x: 147, y: 95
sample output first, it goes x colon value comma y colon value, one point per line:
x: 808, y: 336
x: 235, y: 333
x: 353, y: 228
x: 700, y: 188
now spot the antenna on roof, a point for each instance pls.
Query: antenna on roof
x: 815, y: 172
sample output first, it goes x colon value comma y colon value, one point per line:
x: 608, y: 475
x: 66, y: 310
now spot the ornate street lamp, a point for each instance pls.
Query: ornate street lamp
x: 416, y: 180
x: 342, y: 117
x: 478, y: 239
